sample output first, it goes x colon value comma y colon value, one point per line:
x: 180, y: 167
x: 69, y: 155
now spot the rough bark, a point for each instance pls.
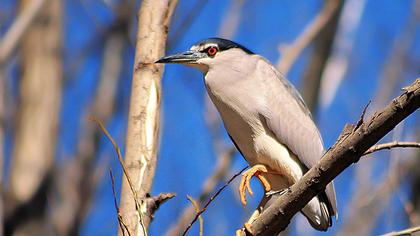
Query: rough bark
x: 353, y: 142
x: 144, y: 115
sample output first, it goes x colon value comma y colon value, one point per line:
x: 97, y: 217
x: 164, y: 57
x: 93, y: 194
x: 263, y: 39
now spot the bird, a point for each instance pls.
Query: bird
x: 266, y: 119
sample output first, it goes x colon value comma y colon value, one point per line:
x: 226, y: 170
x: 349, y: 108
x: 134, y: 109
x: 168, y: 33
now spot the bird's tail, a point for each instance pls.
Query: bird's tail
x: 318, y: 213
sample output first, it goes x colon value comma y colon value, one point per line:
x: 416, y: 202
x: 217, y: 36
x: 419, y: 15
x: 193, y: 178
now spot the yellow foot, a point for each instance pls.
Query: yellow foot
x: 257, y: 171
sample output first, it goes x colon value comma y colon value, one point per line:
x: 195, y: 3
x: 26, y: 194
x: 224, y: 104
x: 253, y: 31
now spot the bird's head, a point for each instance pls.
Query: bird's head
x: 207, y: 53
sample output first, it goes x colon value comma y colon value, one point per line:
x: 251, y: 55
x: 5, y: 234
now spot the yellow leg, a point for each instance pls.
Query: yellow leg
x: 257, y: 171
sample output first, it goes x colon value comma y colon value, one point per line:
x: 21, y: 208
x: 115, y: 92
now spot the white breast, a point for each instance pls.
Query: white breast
x: 236, y: 106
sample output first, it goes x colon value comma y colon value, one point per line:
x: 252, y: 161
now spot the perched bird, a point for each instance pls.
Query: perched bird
x: 266, y: 119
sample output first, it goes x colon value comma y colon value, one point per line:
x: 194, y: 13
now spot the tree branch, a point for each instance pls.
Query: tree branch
x: 292, y: 52
x: 12, y: 38
x: 35, y: 138
x: 404, y: 232
x: 144, y: 114
x: 153, y: 203
x: 347, y: 150
x: 390, y: 145
x: 323, y: 45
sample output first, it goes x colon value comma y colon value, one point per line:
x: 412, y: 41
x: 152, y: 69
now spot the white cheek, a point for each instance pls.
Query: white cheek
x: 205, y: 61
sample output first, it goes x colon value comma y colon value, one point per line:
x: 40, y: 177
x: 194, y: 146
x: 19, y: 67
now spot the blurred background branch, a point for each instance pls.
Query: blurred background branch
x: 37, y: 125
x: 79, y: 177
x: 310, y: 85
x: 27, y: 16
x: 313, y: 31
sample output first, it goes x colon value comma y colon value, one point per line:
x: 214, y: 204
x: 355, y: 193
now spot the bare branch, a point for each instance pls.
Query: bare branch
x: 12, y: 38
x: 291, y: 52
x: 345, y: 152
x: 404, y: 232
x: 212, y: 199
x: 40, y: 100
x: 186, y: 22
x: 153, y: 203
x: 144, y: 114
x: 76, y: 191
x: 390, y: 145
x: 322, y: 49
x: 231, y: 20
x: 338, y: 62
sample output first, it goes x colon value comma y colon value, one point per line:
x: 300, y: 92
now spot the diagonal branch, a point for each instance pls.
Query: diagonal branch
x: 292, y: 52
x: 14, y: 35
x: 408, y: 231
x: 348, y: 149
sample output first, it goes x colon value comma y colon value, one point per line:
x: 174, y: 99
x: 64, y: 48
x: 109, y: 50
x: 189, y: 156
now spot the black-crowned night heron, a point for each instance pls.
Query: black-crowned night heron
x: 266, y: 119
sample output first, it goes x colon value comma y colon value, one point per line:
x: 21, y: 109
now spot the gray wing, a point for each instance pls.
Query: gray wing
x: 288, y: 118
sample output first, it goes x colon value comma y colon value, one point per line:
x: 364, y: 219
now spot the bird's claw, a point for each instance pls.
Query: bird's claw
x: 280, y: 192
x: 257, y: 171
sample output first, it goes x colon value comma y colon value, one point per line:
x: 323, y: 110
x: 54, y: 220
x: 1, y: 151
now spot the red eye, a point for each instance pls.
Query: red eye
x: 211, y: 51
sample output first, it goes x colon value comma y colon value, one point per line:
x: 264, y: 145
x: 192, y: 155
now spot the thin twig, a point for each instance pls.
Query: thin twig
x: 395, y: 144
x: 211, y: 200
x: 197, y: 208
x: 119, y: 217
x: 408, y: 231
x: 120, y: 158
